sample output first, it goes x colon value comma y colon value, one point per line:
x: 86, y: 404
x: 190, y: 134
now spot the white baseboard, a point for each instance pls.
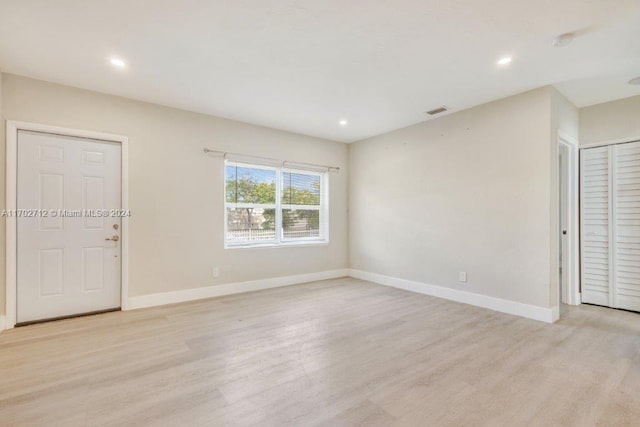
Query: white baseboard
x: 163, y: 298
x: 543, y: 314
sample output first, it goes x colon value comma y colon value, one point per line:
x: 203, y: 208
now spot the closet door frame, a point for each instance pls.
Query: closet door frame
x: 571, y: 293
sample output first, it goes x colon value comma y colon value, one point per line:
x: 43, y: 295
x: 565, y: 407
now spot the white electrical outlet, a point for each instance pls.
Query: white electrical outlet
x: 463, y: 276
x: 216, y: 271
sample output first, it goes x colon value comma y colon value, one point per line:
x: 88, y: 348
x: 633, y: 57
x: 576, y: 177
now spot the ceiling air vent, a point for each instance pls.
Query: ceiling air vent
x: 437, y: 111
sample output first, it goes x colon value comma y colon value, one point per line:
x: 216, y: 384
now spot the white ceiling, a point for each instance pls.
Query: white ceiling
x: 301, y: 65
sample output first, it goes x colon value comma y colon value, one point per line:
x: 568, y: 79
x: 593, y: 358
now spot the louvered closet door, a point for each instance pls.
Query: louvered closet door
x: 595, y: 201
x: 626, y: 232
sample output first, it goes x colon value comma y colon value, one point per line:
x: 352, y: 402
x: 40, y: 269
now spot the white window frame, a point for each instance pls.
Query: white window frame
x: 279, y: 240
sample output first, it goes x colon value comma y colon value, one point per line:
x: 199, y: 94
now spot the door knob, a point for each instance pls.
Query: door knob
x: 114, y: 238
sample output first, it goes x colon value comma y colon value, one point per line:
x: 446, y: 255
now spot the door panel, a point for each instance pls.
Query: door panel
x: 51, y: 272
x: 595, y: 226
x: 626, y: 210
x: 65, y: 265
x: 51, y: 192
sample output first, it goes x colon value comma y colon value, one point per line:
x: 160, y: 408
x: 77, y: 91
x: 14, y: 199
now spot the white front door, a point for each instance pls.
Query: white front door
x: 68, y: 226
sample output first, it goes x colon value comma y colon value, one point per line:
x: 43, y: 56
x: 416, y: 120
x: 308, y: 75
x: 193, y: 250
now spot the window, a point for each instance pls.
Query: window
x: 267, y: 205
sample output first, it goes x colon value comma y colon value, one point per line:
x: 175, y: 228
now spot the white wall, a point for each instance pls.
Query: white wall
x: 564, y: 115
x: 466, y: 192
x: 176, y: 192
x: 611, y: 121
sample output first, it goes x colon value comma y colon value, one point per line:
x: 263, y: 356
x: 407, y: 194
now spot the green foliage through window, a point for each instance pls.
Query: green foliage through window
x: 252, y: 208
x: 250, y: 185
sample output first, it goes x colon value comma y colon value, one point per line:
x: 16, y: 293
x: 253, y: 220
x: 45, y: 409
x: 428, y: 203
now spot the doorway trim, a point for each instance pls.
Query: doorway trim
x: 611, y: 142
x: 571, y: 293
x: 11, y: 204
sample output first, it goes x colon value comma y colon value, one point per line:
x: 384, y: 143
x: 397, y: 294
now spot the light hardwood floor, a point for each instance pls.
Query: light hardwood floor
x: 337, y: 352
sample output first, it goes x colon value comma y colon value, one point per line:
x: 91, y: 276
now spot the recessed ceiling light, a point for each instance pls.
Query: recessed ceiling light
x: 635, y: 81
x: 118, y: 63
x: 504, y: 61
x: 343, y: 122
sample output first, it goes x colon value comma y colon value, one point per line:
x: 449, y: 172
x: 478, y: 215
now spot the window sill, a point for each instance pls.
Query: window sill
x: 324, y: 242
